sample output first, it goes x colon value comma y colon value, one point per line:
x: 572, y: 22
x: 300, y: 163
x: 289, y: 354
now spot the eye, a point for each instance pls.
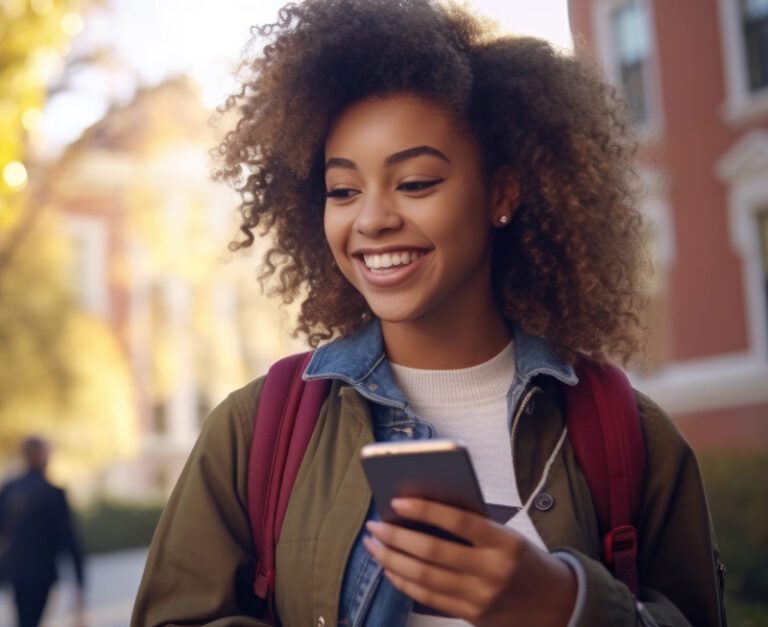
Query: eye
x: 417, y: 186
x: 341, y: 192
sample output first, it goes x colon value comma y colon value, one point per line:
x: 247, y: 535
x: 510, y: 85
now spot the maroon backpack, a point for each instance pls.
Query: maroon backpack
x: 603, y: 426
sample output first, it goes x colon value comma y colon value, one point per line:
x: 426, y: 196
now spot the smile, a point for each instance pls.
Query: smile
x: 389, y: 260
x: 390, y: 269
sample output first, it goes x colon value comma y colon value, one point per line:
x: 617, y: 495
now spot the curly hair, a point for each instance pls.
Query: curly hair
x: 566, y: 268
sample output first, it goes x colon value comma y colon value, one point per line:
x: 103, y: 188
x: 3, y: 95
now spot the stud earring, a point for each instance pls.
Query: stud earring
x: 503, y: 219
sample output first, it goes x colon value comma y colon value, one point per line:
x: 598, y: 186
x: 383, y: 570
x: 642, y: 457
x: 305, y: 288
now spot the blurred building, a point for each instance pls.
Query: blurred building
x: 695, y: 74
x: 149, y: 230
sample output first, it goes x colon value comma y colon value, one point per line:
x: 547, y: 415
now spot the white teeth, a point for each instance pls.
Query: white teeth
x: 387, y: 260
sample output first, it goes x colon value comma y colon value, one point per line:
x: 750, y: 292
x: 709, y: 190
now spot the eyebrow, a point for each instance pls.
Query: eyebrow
x: 408, y: 153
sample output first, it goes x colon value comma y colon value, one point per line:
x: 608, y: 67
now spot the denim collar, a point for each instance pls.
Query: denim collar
x: 360, y: 361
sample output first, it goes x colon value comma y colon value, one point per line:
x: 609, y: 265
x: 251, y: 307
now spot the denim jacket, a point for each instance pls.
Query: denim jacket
x: 368, y: 598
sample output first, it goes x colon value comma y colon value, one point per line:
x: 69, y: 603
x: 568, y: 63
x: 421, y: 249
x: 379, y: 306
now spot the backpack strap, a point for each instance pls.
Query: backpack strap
x: 285, y: 420
x: 604, y: 429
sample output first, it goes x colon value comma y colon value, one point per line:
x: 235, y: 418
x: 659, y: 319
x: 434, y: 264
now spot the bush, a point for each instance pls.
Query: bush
x: 736, y: 488
x: 113, y: 525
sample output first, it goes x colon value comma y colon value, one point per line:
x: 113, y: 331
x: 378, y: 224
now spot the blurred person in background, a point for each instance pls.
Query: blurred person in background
x: 453, y: 207
x: 35, y: 528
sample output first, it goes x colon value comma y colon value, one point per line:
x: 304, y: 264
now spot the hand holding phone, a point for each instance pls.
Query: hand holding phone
x: 437, y: 470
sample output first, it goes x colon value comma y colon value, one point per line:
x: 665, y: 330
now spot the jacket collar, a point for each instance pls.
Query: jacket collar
x: 533, y: 356
x: 360, y: 361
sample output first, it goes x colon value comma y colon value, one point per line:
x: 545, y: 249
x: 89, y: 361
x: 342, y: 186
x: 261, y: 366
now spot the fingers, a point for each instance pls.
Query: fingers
x: 477, y: 529
x: 424, y: 546
x: 490, y: 582
x: 486, y: 564
x: 457, y: 594
x: 427, y: 575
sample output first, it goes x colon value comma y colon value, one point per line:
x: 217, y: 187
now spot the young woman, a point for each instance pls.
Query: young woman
x: 453, y: 208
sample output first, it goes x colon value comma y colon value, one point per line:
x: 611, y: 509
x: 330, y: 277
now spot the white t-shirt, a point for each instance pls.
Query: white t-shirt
x: 470, y: 405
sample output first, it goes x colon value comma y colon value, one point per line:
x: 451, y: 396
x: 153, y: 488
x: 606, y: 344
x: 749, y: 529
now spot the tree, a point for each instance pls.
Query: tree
x: 61, y: 371
x: 33, y: 38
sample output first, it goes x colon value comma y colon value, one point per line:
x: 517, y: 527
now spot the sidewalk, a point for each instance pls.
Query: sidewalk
x: 112, y: 581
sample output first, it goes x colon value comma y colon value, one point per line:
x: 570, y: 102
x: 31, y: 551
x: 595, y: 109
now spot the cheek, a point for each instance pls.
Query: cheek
x: 466, y: 220
x: 470, y: 199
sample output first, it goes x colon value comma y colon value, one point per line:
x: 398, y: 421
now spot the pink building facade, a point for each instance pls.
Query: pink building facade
x: 695, y: 73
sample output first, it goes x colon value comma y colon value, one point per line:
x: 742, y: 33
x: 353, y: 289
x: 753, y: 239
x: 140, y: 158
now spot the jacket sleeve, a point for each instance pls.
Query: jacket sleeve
x: 200, y: 565
x: 678, y: 565
x: 70, y: 541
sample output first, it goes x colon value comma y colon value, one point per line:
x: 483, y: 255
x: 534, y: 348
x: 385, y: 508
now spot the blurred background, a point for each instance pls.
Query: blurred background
x: 124, y: 319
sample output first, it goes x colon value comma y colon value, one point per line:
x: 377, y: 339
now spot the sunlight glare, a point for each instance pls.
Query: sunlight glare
x: 15, y: 175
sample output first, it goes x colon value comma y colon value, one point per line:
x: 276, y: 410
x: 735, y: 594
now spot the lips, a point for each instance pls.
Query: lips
x: 390, y: 268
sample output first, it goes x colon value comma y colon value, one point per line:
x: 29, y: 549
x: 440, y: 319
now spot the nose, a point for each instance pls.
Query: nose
x: 377, y: 216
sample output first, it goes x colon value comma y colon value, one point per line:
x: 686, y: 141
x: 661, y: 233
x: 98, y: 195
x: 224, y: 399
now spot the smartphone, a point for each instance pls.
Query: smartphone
x: 438, y: 470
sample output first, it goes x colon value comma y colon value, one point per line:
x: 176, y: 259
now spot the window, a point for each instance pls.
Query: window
x: 624, y: 39
x: 744, y: 170
x: 631, y: 46
x: 755, y: 24
x: 88, y: 238
x: 744, y: 36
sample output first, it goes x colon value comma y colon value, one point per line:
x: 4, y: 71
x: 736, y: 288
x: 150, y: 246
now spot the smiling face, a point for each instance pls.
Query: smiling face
x: 408, y: 213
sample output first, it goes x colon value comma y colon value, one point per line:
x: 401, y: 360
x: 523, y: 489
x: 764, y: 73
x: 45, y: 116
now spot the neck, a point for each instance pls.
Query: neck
x: 448, y: 340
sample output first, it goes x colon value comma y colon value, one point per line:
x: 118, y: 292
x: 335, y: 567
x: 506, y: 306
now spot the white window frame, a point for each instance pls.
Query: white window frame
x: 92, y: 285
x: 652, y: 127
x: 745, y: 170
x: 739, y: 378
x: 656, y: 209
x: 741, y: 106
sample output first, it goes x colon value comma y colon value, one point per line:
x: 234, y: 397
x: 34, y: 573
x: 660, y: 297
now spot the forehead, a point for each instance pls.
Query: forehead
x: 390, y: 122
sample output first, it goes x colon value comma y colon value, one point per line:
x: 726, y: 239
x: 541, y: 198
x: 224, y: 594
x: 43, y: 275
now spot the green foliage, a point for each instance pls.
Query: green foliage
x: 35, y: 308
x: 736, y: 488
x: 114, y: 525
x: 34, y: 36
x: 63, y: 373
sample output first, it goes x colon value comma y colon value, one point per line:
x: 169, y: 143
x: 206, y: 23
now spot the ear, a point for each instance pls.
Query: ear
x: 505, y: 196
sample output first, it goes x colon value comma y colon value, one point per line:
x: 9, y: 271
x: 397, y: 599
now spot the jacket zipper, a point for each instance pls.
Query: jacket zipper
x: 529, y: 394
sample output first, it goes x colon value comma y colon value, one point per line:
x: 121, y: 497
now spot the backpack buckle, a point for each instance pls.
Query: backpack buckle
x: 619, y: 541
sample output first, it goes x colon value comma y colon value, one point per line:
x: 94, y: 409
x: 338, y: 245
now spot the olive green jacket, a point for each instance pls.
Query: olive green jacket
x: 201, y: 562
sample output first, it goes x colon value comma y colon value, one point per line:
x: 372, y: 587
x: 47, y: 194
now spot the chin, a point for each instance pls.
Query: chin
x: 393, y: 314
